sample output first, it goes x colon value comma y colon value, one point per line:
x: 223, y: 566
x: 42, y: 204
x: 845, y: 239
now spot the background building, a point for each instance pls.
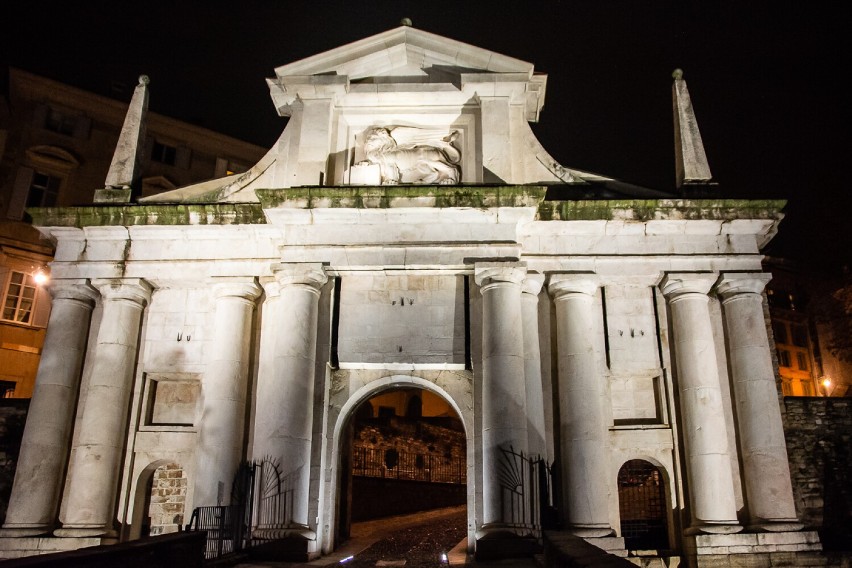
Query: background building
x: 56, y: 142
x: 811, y: 315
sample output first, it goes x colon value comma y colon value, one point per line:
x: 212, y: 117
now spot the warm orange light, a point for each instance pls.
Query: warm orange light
x: 40, y: 277
x: 826, y: 382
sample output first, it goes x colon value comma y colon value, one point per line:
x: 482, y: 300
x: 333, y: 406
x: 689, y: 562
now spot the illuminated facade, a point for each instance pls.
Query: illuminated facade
x: 408, y: 230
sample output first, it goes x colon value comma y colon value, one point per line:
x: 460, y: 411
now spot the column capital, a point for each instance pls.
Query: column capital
x: 135, y: 290
x: 300, y: 273
x: 677, y: 284
x: 485, y: 273
x: 732, y: 284
x: 244, y: 287
x: 586, y: 283
x: 73, y: 289
x: 532, y: 284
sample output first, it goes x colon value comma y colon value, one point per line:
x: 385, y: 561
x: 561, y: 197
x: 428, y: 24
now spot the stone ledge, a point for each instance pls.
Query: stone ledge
x: 747, y: 543
x: 31, y: 546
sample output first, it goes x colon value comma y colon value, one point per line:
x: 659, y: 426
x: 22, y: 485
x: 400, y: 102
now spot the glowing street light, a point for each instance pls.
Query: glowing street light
x: 826, y: 385
x: 40, y: 277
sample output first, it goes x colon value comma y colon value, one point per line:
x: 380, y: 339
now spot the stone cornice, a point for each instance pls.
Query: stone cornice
x: 409, y: 196
x: 166, y: 214
x: 391, y: 196
x: 661, y: 209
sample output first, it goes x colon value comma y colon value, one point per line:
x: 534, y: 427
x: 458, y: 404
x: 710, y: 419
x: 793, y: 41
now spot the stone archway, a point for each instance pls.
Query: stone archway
x: 160, y: 500
x: 456, y: 394
x: 643, y: 507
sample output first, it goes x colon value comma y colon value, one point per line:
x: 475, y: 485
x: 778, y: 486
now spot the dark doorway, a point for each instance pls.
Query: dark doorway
x: 404, y: 451
x: 642, y: 506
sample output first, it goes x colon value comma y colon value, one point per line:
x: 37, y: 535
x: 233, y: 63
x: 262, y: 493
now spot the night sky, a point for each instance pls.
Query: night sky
x: 764, y: 79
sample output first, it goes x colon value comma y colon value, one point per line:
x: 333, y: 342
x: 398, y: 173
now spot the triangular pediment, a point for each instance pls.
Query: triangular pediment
x: 403, y: 51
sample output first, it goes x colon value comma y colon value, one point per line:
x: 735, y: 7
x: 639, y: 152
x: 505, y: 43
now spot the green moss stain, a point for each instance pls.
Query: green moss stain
x: 662, y: 209
x: 129, y: 215
x: 440, y: 196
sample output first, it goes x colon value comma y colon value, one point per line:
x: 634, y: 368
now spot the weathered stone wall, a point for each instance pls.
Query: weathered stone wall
x: 819, y: 433
x: 168, y: 496
x: 13, y: 415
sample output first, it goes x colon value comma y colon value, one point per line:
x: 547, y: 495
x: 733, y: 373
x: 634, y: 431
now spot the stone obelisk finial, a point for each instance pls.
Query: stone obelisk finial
x: 691, y: 165
x: 125, y: 162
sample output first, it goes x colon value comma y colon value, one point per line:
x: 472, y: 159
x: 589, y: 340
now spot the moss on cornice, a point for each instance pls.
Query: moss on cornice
x: 161, y: 214
x: 480, y: 197
x: 389, y: 196
x: 661, y: 209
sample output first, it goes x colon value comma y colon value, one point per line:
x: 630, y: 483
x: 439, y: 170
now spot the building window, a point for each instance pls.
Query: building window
x: 44, y: 190
x: 802, y: 361
x: 19, y: 298
x: 164, y: 153
x: 60, y: 122
x: 7, y: 389
x: 800, y: 335
x: 784, y: 358
x: 780, y: 331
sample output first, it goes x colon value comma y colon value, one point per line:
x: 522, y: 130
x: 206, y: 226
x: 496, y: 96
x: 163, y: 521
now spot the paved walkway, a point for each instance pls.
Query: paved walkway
x: 405, y: 540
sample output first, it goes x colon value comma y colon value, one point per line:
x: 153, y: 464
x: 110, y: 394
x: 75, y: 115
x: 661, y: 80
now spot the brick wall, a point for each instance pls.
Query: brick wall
x: 819, y: 433
x: 168, y: 496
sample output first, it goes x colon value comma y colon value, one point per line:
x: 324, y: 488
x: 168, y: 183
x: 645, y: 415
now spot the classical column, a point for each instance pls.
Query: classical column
x: 223, y: 391
x: 530, y: 289
x: 708, y: 462
x: 582, y: 388
x: 44, y: 448
x: 285, y: 386
x: 766, y: 471
x: 504, y: 421
x: 87, y: 508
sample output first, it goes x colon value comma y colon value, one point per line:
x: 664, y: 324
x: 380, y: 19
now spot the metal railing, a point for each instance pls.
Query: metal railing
x: 392, y: 464
x: 526, y: 492
x: 223, y: 536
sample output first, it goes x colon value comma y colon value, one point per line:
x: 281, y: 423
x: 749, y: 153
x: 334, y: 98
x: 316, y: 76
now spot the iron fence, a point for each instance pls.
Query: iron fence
x: 218, y: 521
x: 393, y: 464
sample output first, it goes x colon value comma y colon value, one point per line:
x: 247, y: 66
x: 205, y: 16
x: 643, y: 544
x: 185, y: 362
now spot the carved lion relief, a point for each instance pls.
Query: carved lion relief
x: 407, y: 154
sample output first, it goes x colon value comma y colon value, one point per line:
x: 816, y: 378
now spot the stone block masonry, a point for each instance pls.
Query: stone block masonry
x: 819, y: 432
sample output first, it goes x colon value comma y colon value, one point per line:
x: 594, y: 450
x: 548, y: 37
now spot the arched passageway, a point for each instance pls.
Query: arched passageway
x: 403, y: 451
x: 642, y: 506
x: 160, y: 500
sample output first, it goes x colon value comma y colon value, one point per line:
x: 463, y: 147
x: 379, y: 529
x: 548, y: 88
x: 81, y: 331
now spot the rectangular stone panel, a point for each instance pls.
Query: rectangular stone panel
x: 171, y: 400
x: 636, y: 400
x: 631, y: 329
x: 416, y: 319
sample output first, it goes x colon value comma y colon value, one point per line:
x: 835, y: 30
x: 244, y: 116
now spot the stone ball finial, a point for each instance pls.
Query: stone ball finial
x: 406, y: 22
x: 677, y: 74
x: 144, y: 80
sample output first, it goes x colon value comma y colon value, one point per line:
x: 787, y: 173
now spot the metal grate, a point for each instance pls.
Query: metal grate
x: 370, y: 462
x: 642, y: 506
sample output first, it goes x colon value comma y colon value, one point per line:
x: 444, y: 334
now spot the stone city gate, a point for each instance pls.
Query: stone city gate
x: 444, y: 249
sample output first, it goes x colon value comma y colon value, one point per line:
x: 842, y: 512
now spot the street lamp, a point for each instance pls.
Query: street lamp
x: 827, y: 386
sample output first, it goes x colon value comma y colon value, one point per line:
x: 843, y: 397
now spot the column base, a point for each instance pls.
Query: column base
x: 591, y: 531
x: 720, y: 527
x: 20, y: 531
x: 84, y: 532
x: 610, y: 544
x: 496, y: 540
x: 775, y: 525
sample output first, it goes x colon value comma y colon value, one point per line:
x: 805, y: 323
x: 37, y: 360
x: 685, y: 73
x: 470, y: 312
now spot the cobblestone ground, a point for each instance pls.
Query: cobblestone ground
x: 419, y: 546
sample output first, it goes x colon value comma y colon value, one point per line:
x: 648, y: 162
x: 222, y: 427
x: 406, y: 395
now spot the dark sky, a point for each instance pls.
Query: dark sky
x: 764, y: 79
